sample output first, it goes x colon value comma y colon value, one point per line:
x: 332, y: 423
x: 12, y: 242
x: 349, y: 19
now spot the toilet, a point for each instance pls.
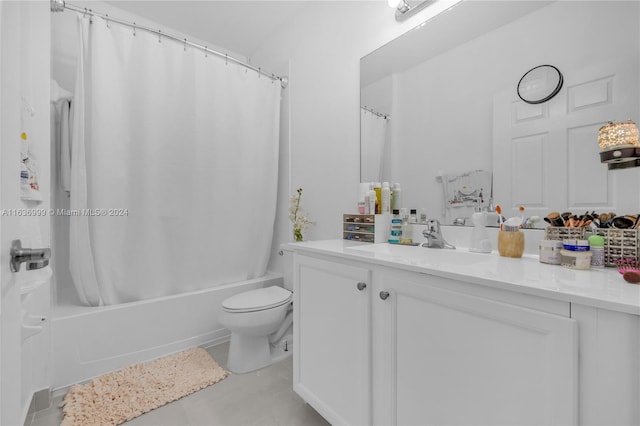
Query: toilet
x: 260, y: 322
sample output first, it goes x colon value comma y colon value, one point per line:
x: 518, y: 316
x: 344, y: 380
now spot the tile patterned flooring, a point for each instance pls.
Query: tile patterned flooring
x: 263, y: 397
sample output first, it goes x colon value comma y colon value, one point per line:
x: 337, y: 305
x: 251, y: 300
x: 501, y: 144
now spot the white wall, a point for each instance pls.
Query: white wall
x: 324, y: 47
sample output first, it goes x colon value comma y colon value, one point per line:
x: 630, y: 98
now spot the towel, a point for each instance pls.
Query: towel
x: 66, y: 117
x: 63, y: 116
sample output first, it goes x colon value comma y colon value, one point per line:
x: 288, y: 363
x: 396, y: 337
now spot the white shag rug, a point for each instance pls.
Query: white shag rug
x: 116, y: 397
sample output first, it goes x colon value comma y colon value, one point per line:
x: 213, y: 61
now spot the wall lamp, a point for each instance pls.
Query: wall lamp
x: 620, y: 145
x: 404, y: 10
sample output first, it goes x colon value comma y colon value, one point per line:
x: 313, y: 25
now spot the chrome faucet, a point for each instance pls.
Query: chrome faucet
x: 434, y: 236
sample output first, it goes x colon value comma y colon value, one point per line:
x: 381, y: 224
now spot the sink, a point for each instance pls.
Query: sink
x: 420, y: 255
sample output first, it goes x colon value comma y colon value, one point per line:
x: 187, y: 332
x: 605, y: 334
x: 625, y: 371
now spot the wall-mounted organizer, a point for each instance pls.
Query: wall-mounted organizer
x: 370, y: 228
x: 618, y: 243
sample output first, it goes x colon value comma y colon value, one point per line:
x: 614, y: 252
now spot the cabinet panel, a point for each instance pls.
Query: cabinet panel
x: 332, y: 339
x: 609, y: 366
x: 451, y: 358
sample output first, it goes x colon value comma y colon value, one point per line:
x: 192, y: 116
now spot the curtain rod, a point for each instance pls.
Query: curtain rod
x: 376, y: 113
x: 61, y: 5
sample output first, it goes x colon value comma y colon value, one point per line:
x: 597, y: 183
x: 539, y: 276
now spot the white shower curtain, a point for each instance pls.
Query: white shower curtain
x: 175, y: 153
x: 373, y: 144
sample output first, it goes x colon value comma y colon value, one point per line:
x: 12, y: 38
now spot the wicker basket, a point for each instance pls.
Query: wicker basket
x: 618, y: 243
x: 562, y: 233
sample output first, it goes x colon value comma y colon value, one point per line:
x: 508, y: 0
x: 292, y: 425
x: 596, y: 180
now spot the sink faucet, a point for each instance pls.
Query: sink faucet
x: 434, y: 236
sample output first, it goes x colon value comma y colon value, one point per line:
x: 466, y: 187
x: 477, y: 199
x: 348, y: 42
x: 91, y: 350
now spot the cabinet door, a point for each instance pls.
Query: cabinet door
x: 445, y: 357
x: 331, y: 358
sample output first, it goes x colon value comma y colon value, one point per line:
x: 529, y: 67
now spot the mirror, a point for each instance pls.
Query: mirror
x: 540, y: 84
x: 441, y: 102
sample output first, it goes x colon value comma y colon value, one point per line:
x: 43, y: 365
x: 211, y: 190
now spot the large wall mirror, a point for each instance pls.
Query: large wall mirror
x: 440, y: 112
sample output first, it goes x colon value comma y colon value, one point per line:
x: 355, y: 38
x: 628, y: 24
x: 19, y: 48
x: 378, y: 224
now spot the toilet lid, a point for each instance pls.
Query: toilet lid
x: 257, y: 300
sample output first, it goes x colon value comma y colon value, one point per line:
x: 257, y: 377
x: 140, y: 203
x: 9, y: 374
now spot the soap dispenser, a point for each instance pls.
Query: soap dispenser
x: 480, y: 242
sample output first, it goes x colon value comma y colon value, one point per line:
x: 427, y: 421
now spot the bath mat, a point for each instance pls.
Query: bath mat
x: 116, y: 397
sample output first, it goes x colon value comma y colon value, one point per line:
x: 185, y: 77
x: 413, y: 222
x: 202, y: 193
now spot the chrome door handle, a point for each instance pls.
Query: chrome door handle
x: 34, y: 258
x: 361, y: 286
x: 384, y: 295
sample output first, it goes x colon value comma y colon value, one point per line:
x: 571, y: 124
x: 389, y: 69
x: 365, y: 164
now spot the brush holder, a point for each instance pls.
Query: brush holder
x: 511, y: 244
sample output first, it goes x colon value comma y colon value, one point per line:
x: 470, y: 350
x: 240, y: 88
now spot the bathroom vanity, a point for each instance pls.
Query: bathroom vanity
x: 387, y: 334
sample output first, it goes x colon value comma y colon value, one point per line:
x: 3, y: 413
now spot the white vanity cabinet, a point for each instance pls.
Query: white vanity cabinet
x: 444, y: 356
x: 378, y: 345
x: 332, y: 344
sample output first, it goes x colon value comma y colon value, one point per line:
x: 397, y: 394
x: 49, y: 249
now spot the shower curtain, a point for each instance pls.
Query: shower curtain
x: 174, y: 167
x: 373, y: 145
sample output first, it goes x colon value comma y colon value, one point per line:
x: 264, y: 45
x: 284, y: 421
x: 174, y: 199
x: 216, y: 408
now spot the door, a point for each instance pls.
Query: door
x: 24, y: 107
x: 446, y: 357
x: 10, y: 341
x: 331, y: 358
x: 546, y: 156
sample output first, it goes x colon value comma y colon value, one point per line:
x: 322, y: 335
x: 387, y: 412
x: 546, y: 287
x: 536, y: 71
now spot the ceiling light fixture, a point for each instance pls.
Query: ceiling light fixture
x: 404, y: 10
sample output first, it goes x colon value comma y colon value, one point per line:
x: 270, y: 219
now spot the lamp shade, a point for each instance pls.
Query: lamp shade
x: 618, y: 135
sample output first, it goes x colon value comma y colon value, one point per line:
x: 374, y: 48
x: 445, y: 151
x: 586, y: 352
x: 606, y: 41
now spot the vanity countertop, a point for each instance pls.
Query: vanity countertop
x: 600, y: 288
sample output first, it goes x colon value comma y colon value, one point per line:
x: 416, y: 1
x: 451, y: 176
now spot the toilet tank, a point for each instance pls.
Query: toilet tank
x: 287, y: 267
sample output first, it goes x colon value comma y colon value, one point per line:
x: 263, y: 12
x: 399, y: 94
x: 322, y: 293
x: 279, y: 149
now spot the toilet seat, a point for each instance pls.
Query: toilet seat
x: 257, y: 300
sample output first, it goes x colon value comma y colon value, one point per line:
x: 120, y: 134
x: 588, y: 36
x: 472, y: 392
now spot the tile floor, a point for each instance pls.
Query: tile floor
x: 263, y: 397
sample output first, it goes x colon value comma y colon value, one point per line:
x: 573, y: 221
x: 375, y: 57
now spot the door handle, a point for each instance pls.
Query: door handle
x: 34, y: 258
x: 361, y: 286
x: 384, y: 295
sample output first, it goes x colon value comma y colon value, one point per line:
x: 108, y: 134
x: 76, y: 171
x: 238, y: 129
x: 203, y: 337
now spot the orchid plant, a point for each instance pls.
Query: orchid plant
x: 299, y: 221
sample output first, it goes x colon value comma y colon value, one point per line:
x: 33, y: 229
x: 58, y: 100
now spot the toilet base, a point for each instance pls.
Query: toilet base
x: 248, y: 353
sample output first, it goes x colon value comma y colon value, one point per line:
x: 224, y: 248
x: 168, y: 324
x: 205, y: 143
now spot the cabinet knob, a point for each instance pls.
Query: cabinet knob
x: 384, y: 295
x: 361, y: 286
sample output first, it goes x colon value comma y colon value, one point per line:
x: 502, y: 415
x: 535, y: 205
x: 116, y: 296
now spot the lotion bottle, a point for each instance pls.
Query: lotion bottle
x: 386, y: 198
x: 378, y: 191
x: 372, y: 200
x: 396, y: 198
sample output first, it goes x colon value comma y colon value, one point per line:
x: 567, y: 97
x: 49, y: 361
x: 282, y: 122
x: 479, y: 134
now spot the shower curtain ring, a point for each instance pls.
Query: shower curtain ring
x: 107, y: 20
x: 259, y: 72
x: 226, y: 59
x: 185, y: 44
x: 206, y: 54
x: 159, y: 34
x: 134, y: 29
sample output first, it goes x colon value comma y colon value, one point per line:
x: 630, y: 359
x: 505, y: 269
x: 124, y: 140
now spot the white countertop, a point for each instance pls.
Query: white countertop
x: 601, y: 288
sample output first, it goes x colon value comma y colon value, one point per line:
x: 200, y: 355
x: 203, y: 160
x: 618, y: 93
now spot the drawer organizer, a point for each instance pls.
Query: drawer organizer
x: 618, y: 243
x: 370, y: 228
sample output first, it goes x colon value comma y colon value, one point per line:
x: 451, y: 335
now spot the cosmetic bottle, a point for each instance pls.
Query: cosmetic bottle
x: 423, y: 216
x: 367, y: 199
x: 377, y: 187
x: 372, y: 200
x: 386, y: 198
x: 396, y: 197
x: 407, y: 228
x: 396, y: 228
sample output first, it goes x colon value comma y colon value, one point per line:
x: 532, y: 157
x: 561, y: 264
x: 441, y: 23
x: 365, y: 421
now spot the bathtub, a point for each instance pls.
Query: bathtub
x: 90, y: 341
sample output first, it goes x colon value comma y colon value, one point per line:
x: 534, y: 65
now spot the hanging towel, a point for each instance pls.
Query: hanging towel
x: 59, y: 93
x: 66, y: 117
x: 63, y: 115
